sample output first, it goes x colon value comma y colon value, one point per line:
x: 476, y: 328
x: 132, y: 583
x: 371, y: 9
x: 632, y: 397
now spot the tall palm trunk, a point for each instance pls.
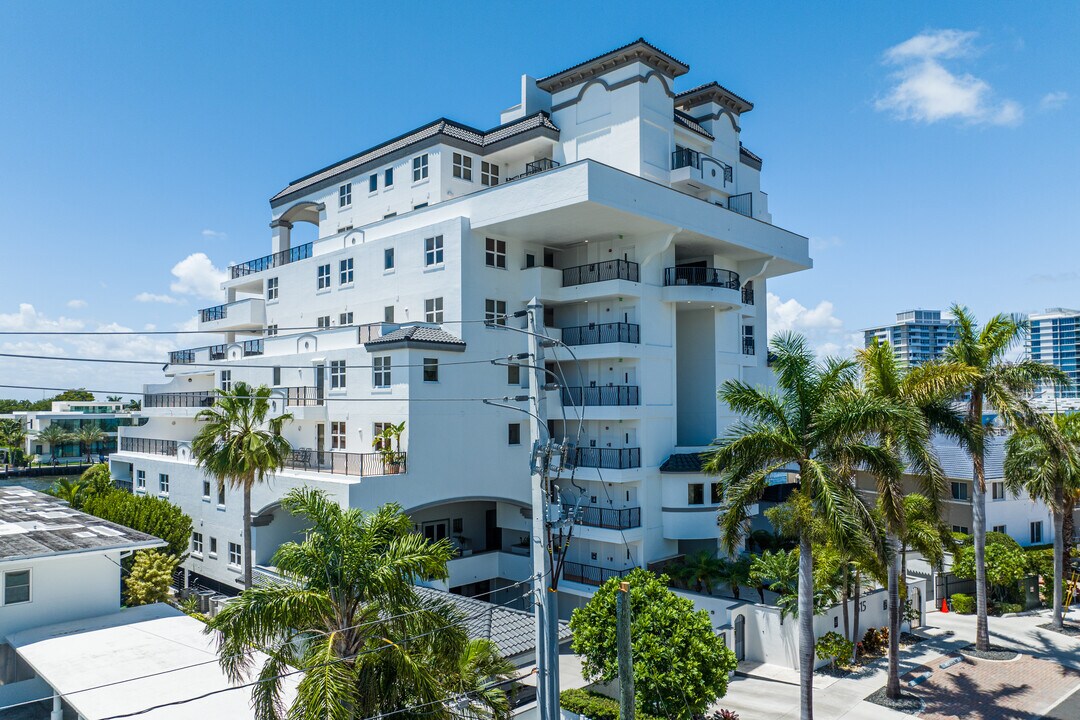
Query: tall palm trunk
x: 855, y: 624
x: 978, y: 528
x: 892, y: 684
x: 806, y: 626
x: 1059, y: 565
x: 846, y: 599
x: 247, y: 536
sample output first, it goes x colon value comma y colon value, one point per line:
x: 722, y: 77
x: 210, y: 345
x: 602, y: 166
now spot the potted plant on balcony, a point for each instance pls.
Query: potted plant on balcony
x: 388, y: 444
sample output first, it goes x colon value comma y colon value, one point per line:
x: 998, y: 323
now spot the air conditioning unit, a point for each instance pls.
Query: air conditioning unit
x: 216, y: 603
x: 204, y: 600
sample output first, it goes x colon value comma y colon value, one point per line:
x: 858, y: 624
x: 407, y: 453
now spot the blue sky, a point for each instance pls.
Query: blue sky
x: 930, y: 150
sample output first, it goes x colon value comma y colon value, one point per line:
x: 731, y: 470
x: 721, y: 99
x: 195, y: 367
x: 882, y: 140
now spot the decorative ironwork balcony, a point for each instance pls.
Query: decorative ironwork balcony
x: 608, y: 458
x: 218, y: 312
x: 608, y: 518
x: 748, y: 346
x: 300, y: 252
x: 347, y: 463
x: 701, y: 276
x: 609, y: 395
x: 748, y: 294
x: 193, y: 399
x: 685, y: 157
x: 600, y: 271
x: 150, y: 446
x: 596, y: 333
x: 591, y: 574
x: 742, y: 204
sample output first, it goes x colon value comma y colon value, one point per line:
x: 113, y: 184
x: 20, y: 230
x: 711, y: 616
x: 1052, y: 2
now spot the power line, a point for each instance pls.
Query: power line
x: 302, y: 328
x: 252, y: 397
x: 221, y: 364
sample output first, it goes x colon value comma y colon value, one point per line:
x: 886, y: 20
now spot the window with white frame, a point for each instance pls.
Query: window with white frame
x: 345, y: 271
x: 495, y: 312
x: 1036, y: 532
x: 140, y: 479
x: 236, y: 555
x: 419, y: 167
x: 997, y: 489
x: 495, y: 253
x: 373, y: 182
x: 1000, y: 529
x: 322, y: 277
x: 272, y: 288
x: 431, y: 369
x: 206, y: 489
x: 221, y: 495
x: 959, y: 490
x: 16, y: 587
x: 695, y: 494
x: 163, y: 483
x: 345, y: 318
x: 275, y: 377
x: 226, y: 380
x: 388, y: 259
x: 433, y: 310
x: 462, y: 166
x: 489, y: 173
x: 337, y: 373
x: 196, y: 543
x: 388, y: 177
x: 271, y: 330
x: 381, y: 370
x: 433, y: 250
x: 323, y: 322
x: 213, y: 547
x: 388, y: 313
x: 344, y: 197
x: 337, y: 435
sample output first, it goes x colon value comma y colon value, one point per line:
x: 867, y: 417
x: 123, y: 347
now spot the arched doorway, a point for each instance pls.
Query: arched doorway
x: 740, y: 638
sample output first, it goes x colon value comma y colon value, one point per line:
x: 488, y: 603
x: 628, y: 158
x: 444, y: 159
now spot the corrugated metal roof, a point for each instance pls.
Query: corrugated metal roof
x: 957, y: 464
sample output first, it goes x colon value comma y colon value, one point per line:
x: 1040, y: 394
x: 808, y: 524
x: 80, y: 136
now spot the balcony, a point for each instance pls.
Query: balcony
x: 181, y: 357
x: 246, y: 314
x: 149, y: 446
x: 748, y: 294
x: 591, y: 574
x: 534, y: 168
x: 748, y: 346
x: 695, y: 171
x: 603, y: 395
x: 608, y: 518
x: 742, y: 204
x: 301, y: 396
x: 701, y: 277
x: 608, y: 458
x: 701, y: 287
x: 346, y: 463
x: 197, y: 399
x: 597, y: 333
x: 601, y: 271
x: 268, y: 262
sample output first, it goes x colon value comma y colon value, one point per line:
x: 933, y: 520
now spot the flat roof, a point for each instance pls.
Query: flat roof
x: 33, y: 524
x: 144, y: 656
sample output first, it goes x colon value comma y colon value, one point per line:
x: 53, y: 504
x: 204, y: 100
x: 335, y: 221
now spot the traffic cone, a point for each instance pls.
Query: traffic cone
x: 944, y: 605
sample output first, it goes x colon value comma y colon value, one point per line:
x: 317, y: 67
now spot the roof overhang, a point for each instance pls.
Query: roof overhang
x: 713, y: 92
x: 637, y: 51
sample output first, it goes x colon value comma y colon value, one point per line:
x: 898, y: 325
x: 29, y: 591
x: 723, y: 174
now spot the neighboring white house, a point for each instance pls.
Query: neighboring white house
x: 629, y: 207
x: 72, y: 415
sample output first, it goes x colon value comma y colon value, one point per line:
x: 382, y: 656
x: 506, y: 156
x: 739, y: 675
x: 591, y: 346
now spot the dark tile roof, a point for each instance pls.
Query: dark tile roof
x: 748, y: 158
x: 639, y: 49
x: 683, y: 463
x: 417, y: 336
x: 713, y: 90
x: 690, y: 123
x: 442, y: 126
x: 33, y: 524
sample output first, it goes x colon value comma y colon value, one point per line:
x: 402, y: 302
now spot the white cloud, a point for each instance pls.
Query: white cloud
x: 76, y: 304
x: 30, y: 320
x: 196, y: 275
x: 928, y: 92
x: 1053, y: 100
x: 214, y: 234
x: 824, y: 331
x: 146, y: 297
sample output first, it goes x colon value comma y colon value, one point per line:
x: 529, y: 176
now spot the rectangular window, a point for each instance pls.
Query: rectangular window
x: 433, y: 310
x: 235, y: 555
x: 272, y: 288
x: 345, y: 271
x: 271, y: 330
x: 388, y: 259
x: 17, y: 587
x: 221, y: 495
x: 206, y: 489
x: 1000, y: 529
x: 1036, y: 532
x: 960, y: 529
x: 431, y: 369
x: 495, y: 312
x: 163, y: 483
x: 373, y: 183
x: 213, y: 547
x: 716, y: 493
x: 695, y: 494
x: 345, y: 318
x: 419, y: 167
x: 378, y: 429
x: 388, y: 177
x: 419, y: 205
x: 276, y: 379
x: 387, y: 216
x: 337, y: 373
x: 463, y: 167
x: 997, y: 490
x: 433, y: 250
x: 959, y: 491
x: 322, y: 277
x: 140, y: 479
x: 381, y: 370
x: 388, y: 314
x: 196, y: 543
x: 323, y: 322
x: 513, y: 375
x: 489, y: 173
x: 513, y: 434
x: 337, y: 435
x: 226, y: 380
x: 495, y: 253
x: 344, y: 196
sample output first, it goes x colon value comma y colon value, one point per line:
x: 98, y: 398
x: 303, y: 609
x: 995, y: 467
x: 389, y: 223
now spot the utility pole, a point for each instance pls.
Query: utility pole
x: 622, y: 645
x: 546, y: 608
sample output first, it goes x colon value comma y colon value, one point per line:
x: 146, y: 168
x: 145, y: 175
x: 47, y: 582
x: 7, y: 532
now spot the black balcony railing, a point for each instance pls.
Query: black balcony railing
x: 534, y: 167
x: 590, y: 574
x: 748, y: 294
x: 742, y: 204
x: 218, y: 312
x: 748, y: 346
x: 300, y: 252
x: 608, y: 458
x: 253, y: 347
x: 181, y: 357
x: 601, y: 395
x: 596, y: 333
x: 610, y: 518
x: 346, y: 463
x: 193, y: 399
x: 685, y: 157
x: 706, y: 276
x: 302, y: 396
x: 218, y: 352
x: 599, y: 272
x: 151, y: 446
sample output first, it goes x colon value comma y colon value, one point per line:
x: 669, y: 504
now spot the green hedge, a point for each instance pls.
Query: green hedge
x: 1004, y: 608
x: 594, y: 705
x: 963, y: 604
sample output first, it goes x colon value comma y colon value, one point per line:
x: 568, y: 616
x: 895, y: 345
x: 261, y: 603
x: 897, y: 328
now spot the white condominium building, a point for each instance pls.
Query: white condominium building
x: 918, y: 336
x: 628, y: 207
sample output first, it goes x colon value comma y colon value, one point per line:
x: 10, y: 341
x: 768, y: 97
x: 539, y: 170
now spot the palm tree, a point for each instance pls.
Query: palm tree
x: 736, y: 573
x: 240, y: 446
x: 347, y: 612
x: 924, y: 532
x: 817, y: 422
x: 1004, y: 386
x: 55, y: 436
x: 779, y: 572
x: 1035, y: 465
x: 88, y: 434
x: 73, y: 492
x: 701, y: 569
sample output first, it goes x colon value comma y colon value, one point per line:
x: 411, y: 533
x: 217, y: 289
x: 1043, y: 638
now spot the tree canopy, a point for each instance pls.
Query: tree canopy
x: 145, y: 513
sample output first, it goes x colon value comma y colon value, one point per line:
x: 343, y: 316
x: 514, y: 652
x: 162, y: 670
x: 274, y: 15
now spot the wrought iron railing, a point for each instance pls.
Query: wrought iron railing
x: 709, y: 277
x: 300, y: 252
x: 599, y: 272
x: 534, y: 167
x: 347, y: 463
x: 685, y: 157
x: 218, y: 312
x: 601, y: 395
x: 609, y: 518
x: 253, y: 347
x: 218, y: 352
x: 748, y: 346
x: 181, y: 357
x: 742, y: 204
x: 596, y: 333
x: 590, y: 574
x: 301, y: 396
x: 150, y: 446
x: 608, y: 458
x: 748, y: 294
x: 191, y: 399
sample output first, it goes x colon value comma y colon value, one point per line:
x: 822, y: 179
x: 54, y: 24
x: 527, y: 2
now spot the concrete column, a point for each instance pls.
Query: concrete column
x: 281, y: 235
x: 57, y: 708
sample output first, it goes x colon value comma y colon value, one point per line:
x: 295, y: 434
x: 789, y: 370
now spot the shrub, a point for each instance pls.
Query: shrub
x: 725, y: 715
x: 875, y: 640
x: 594, y: 705
x: 145, y: 513
x: 150, y: 577
x: 1004, y: 608
x: 833, y: 646
x: 963, y: 604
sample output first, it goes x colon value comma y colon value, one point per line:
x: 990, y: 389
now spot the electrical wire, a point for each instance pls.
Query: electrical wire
x: 221, y: 364
x: 253, y: 397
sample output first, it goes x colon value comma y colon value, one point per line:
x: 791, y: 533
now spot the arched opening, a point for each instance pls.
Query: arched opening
x: 740, y: 637
x: 286, y: 232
